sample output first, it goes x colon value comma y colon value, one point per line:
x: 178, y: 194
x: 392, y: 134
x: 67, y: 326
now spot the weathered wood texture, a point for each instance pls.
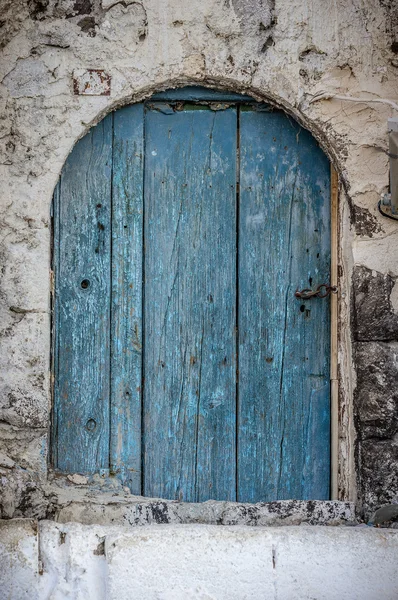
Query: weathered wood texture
x: 284, y: 347
x: 183, y: 360
x: 126, y: 317
x: 190, y: 240
x: 82, y: 248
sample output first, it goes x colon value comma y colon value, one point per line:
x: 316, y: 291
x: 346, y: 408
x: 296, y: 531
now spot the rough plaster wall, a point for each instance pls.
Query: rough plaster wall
x: 283, y: 50
x: 47, y: 560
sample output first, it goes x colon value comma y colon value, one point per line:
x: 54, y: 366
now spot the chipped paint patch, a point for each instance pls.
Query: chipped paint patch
x: 91, y: 82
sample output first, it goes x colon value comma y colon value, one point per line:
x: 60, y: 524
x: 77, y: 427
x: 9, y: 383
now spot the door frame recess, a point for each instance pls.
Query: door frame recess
x: 334, y: 309
x: 208, y: 95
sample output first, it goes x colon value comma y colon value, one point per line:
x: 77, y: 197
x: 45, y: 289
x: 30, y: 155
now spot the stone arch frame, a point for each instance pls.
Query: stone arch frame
x: 343, y: 468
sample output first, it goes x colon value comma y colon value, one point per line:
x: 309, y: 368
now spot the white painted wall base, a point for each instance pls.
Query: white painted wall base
x: 48, y: 560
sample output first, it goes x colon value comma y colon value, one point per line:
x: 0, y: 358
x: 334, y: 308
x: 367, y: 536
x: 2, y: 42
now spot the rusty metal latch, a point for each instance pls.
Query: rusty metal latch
x: 322, y: 291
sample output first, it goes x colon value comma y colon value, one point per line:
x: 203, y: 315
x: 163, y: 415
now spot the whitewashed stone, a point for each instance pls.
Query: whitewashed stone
x: 77, y: 479
x: 19, y: 560
x: 176, y: 562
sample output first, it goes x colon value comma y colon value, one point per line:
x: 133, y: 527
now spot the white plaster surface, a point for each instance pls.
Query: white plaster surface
x: 204, y: 562
x: 19, y: 560
x: 379, y: 255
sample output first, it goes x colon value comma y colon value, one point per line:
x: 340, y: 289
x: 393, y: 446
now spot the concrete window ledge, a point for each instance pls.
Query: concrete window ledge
x: 88, y: 509
x: 42, y: 560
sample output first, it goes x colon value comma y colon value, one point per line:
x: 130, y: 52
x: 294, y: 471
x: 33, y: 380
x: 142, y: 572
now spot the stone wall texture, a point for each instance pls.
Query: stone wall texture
x: 289, y: 52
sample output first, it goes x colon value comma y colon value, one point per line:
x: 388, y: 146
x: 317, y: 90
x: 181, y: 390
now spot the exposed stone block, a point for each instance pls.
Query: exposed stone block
x: 373, y: 315
x: 379, y: 473
x: 376, y: 395
x: 22, y: 494
x: 376, y: 410
x: 365, y: 222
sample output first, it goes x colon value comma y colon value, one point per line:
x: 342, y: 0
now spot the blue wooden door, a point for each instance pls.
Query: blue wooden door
x: 184, y: 363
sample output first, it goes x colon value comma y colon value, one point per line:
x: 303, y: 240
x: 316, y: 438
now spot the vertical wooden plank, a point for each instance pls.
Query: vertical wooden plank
x: 55, y: 319
x: 284, y: 343
x: 190, y: 278
x: 334, y: 430
x: 126, y: 336
x: 83, y: 302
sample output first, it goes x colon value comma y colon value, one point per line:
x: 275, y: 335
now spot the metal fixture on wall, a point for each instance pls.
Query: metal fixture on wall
x: 388, y: 205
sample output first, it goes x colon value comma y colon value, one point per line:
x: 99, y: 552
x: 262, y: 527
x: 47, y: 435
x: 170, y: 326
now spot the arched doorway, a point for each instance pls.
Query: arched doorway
x: 184, y: 362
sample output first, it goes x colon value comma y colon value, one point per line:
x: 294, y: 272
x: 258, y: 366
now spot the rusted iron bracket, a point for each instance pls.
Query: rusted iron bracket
x: 322, y: 291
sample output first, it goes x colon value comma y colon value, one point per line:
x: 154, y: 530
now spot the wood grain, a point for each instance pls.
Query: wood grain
x: 126, y: 317
x: 183, y: 360
x: 284, y: 343
x: 83, y: 214
x: 190, y: 278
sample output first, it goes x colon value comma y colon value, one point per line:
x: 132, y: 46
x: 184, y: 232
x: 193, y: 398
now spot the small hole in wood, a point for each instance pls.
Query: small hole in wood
x: 91, y: 425
x: 85, y: 284
x: 99, y: 205
x: 302, y: 308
